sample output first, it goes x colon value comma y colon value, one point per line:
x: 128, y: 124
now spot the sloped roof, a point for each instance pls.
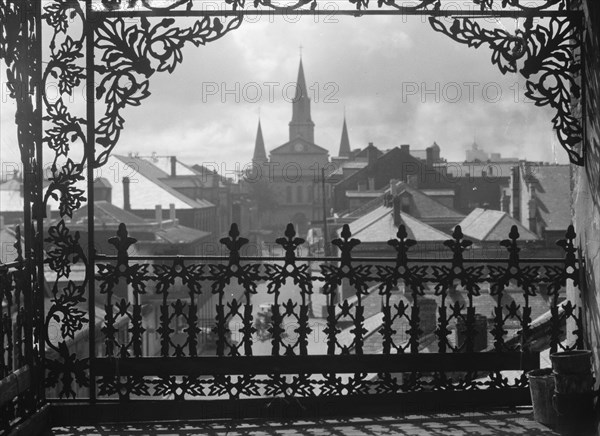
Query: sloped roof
x: 426, y: 206
x: 553, y: 195
x: 181, y: 234
x: 378, y: 226
x: 493, y: 225
x: 106, y: 213
x: 493, y: 170
x: 364, y: 153
x: 186, y: 181
x: 101, y: 182
x: 429, y: 176
x: 164, y: 164
x: 145, y: 195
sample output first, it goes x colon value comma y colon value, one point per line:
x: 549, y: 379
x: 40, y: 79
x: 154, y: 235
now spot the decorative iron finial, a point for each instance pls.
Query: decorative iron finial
x: 512, y: 246
x: 122, y: 242
x: 402, y: 244
x: 290, y: 243
x: 458, y: 245
x: 345, y: 244
x: 234, y: 243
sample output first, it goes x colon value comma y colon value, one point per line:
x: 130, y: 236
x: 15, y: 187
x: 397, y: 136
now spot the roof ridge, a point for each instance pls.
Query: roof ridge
x: 426, y: 225
x: 374, y: 220
x: 500, y: 218
x: 157, y: 181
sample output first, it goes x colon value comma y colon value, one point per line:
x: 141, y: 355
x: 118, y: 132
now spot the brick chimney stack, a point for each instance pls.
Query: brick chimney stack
x: 371, y: 154
x: 126, y: 194
x: 173, y: 166
x: 158, y: 214
x: 397, y: 211
x: 172, y: 213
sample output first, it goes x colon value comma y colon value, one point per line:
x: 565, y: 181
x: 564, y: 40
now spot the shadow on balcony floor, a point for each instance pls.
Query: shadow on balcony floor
x: 492, y: 423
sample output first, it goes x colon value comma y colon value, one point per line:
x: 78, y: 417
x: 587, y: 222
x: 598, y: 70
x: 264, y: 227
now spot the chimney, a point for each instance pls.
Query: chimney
x: 516, y: 193
x: 405, y: 148
x: 532, y: 212
x: 393, y: 187
x: 173, y: 166
x: 371, y: 154
x: 158, y: 214
x: 126, y: 195
x: 172, y: 215
x: 371, y: 186
x: 429, y: 159
x: 396, y: 212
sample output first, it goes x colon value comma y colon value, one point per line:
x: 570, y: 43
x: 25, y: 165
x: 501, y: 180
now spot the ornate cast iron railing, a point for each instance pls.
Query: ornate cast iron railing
x: 109, y: 51
x: 176, y: 290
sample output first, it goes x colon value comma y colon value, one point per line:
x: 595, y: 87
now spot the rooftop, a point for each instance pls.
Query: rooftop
x: 378, y: 226
x: 553, y: 194
x: 493, y: 225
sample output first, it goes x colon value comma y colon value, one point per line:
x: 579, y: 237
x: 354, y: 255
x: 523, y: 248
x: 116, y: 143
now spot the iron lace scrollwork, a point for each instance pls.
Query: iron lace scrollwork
x: 547, y: 56
x: 312, y: 5
x: 131, y: 55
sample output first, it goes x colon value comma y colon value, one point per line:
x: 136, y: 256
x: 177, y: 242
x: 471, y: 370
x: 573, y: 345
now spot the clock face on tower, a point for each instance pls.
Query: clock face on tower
x: 299, y: 146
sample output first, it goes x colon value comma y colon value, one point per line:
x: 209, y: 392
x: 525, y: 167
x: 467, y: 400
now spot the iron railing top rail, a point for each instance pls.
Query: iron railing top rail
x: 390, y: 259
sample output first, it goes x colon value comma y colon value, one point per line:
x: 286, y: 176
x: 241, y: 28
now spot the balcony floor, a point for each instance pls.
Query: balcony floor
x: 491, y: 423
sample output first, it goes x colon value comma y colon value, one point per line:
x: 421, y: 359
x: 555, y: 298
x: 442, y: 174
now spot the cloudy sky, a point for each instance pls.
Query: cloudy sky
x: 397, y: 80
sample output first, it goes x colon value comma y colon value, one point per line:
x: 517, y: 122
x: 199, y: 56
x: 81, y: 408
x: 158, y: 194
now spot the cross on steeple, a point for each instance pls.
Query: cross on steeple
x: 300, y: 49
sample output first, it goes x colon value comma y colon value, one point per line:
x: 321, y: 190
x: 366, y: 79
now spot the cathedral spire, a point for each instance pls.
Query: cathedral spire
x: 260, y: 155
x: 345, y: 141
x: 301, y: 124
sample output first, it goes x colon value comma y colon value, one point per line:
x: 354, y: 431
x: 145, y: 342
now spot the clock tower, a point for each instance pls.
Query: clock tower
x: 294, y: 170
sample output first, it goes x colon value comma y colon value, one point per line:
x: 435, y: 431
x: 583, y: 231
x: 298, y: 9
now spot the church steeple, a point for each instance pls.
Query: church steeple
x: 260, y: 155
x: 345, y: 142
x: 301, y: 124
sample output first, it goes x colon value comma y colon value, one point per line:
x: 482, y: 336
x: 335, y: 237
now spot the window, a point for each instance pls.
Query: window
x: 288, y: 195
x: 309, y: 193
x: 299, y: 194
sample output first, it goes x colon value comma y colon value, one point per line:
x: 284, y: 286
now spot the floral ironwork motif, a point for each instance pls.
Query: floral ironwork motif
x: 312, y: 5
x: 127, y: 57
x: 548, y: 60
x: 345, y: 324
x: 130, y: 57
